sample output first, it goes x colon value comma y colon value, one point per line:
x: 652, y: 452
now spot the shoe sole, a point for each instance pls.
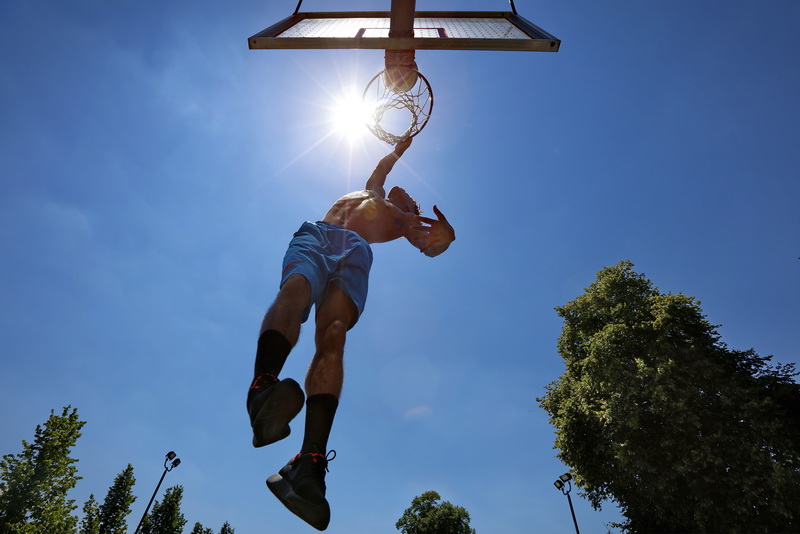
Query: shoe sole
x: 315, y: 515
x: 271, y: 423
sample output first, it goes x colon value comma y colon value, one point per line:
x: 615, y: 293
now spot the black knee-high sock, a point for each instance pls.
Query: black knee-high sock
x: 320, y: 411
x: 273, y: 349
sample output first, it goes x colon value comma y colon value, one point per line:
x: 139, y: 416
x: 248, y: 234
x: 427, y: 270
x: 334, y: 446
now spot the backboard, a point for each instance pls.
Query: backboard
x: 433, y: 30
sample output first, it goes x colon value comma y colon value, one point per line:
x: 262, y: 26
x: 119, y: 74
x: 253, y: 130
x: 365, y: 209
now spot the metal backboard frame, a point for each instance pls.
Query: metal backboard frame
x: 433, y: 30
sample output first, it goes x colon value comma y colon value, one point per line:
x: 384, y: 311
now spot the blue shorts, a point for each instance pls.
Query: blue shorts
x: 329, y: 254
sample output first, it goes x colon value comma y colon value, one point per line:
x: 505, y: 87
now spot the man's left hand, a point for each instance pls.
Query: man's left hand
x: 433, y: 239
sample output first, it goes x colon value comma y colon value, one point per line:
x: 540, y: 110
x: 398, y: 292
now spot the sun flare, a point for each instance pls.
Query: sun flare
x: 349, y: 116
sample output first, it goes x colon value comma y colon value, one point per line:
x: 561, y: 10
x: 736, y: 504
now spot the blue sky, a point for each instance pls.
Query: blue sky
x: 153, y: 169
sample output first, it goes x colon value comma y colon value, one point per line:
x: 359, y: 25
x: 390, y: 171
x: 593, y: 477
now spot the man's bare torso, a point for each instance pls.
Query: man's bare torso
x: 369, y: 215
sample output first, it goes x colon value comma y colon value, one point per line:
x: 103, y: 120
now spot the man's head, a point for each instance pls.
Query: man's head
x: 405, y: 203
x: 403, y: 200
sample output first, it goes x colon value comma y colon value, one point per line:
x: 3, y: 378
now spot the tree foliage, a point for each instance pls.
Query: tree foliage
x: 34, y: 483
x: 656, y: 413
x: 427, y: 515
x: 166, y: 516
x: 117, y: 504
x: 200, y: 529
x: 90, y: 524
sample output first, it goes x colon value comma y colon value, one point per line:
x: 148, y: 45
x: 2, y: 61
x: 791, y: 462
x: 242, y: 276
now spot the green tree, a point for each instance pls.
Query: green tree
x: 226, y: 529
x: 199, y: 529
x: 427, y: 515
x: 166, y: 516
x: 34, y: 483
x: 117, y: 504
x: 656, y: 413
x: 91, y: 520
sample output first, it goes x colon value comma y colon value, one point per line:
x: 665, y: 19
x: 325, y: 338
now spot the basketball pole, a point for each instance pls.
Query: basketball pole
x: 401, y: 21
x: 401, y: 25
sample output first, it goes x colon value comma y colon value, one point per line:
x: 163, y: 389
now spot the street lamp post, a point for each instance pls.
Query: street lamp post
x: 175, y: 463
x: 564, y: 482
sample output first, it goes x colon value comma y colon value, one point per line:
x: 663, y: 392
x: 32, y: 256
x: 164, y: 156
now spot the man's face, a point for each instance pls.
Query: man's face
x: 403, y: 200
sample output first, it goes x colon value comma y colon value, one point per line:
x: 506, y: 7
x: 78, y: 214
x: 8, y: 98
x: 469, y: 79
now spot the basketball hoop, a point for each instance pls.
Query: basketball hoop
x: 400, y: 91
x: 400, y: 33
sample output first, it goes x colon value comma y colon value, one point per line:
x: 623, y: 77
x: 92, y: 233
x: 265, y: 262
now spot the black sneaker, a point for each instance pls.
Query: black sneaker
x: 272, y: 403
x: 300, y: 486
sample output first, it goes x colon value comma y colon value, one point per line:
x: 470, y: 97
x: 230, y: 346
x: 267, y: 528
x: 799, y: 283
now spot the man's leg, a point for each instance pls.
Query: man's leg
x: 325, y: 377
x: 272, y: 403
x: 282, y: 322
x: 300, y: 485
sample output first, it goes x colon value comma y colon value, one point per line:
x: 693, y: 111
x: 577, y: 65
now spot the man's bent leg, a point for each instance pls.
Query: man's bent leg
x: 286, y: 313
x: 280, y: 328
x: 273, y: 403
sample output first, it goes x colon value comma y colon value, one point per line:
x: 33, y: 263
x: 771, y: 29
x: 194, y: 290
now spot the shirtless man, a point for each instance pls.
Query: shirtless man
x: 327, y: 265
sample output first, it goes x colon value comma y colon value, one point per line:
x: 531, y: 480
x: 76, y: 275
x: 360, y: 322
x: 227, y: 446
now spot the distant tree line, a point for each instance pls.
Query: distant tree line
x: 34, y: 485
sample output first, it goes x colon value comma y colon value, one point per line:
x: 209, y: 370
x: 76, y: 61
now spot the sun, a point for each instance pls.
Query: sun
x: 349, y: 116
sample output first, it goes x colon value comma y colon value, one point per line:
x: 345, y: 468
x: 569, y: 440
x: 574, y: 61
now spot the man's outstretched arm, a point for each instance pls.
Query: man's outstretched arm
x: 378, y: 178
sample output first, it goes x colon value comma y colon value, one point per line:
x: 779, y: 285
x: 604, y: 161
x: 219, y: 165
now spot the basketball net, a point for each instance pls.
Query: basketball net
x: 400, y: 87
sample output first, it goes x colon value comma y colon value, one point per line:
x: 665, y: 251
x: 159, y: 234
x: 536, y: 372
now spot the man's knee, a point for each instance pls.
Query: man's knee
x: 337, y: 307
x: 331, y: 335
x: 336, y: 329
